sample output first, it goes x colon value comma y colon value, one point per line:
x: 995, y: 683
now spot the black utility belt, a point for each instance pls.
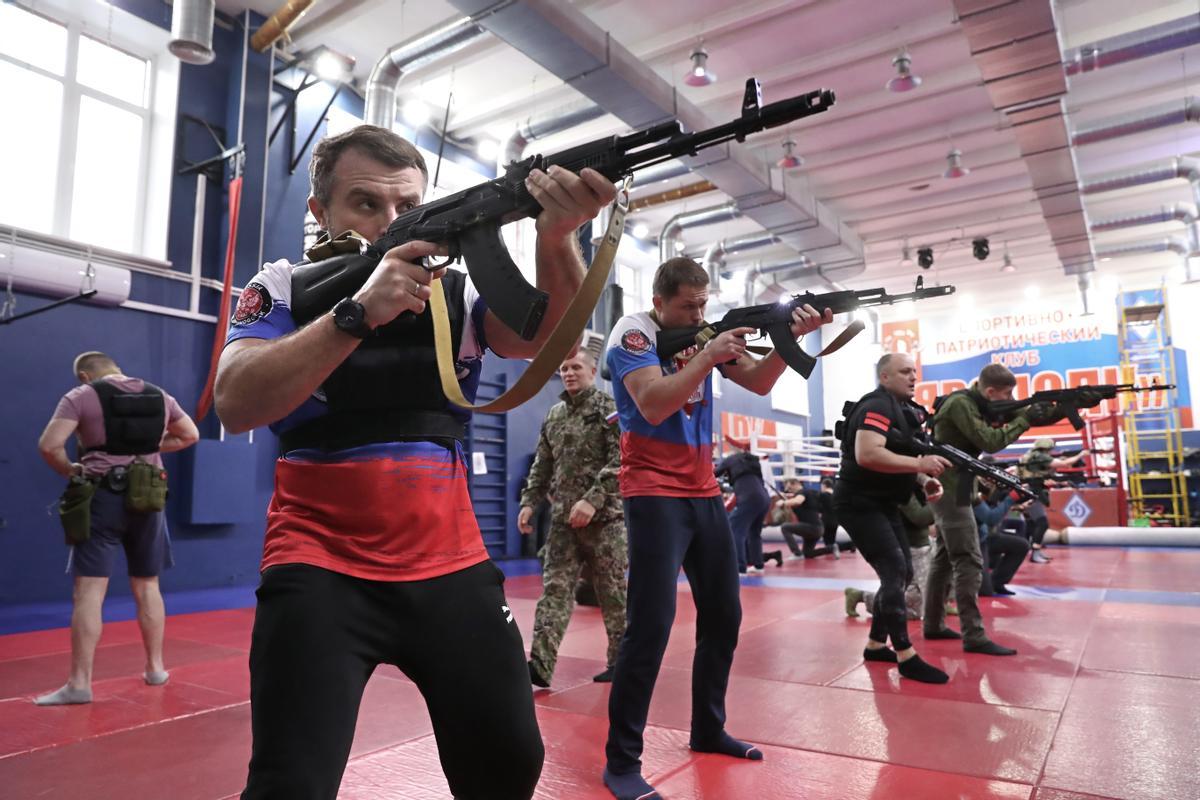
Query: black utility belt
x: 115, y: 480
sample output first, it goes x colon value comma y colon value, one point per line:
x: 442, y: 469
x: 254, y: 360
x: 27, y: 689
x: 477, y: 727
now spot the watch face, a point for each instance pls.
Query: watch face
x: 348, y: 315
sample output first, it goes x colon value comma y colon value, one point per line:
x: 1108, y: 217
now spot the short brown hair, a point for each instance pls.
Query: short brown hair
x: 996, y: 376
x: 676, y: 272
x: 92, y: 362
x: 380, y: 144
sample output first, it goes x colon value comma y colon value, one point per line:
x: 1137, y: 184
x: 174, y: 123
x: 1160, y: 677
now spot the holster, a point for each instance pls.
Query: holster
x: 147, y: 488
x: 75, y: 510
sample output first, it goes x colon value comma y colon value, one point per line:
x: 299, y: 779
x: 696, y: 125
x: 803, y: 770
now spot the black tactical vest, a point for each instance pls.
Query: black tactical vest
x: 133, y: 421
x: 388, y: 389
x: 908, y: 417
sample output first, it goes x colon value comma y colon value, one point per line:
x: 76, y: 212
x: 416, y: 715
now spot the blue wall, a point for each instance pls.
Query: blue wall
x: 174, y: 353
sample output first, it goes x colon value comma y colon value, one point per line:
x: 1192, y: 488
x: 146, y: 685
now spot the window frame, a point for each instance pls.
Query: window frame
x: 139, y: 39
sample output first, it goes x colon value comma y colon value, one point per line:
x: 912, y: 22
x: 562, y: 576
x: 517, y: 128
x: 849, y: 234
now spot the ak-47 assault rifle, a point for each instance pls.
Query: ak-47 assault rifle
x: 1070, y: 401
x: 468, y: 222
x: 775, y: 319
x: 922, y: 445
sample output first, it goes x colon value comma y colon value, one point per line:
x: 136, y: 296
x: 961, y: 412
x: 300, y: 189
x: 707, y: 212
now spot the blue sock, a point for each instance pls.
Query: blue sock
x: 729, y: 746
x: 629, y: 787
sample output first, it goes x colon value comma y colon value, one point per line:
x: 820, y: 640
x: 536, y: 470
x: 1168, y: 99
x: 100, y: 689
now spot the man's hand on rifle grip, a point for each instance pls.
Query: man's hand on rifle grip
x: 727, y: 347
x: 399, y: 282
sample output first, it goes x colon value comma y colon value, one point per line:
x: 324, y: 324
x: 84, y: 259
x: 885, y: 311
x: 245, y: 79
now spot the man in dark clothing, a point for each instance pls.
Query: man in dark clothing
x: 1004, y: 552
x: 803, y: 520
x: 743, y: 471
x: 874, y: 480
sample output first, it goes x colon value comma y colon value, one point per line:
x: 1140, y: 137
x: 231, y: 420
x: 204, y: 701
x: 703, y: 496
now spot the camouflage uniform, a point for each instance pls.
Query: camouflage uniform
x: 960, y: 423
x: 1036, y: 466
x: 578, y: 456
x: 917, y: 518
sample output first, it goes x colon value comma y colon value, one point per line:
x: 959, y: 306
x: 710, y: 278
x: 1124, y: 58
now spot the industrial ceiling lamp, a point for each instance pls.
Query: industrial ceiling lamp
x: 905, y: 80
x: 1008, y: 266
x: 906, y: 259
x: 954, y: 165
x: 700, y: 75
x: 925, y: 257
x: 790, y: 160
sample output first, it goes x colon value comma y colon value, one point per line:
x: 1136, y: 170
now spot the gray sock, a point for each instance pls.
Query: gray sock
x: 65, y: 696
x: 155, y: 678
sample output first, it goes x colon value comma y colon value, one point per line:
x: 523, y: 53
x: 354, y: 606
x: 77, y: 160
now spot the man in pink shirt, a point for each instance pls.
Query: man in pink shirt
x: 116, y: 420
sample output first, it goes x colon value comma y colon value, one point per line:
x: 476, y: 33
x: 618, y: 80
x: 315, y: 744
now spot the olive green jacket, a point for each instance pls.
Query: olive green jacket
x: 959, y: 423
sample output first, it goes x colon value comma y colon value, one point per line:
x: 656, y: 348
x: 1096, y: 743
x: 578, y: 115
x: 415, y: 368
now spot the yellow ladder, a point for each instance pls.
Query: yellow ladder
x: 1153, y: 432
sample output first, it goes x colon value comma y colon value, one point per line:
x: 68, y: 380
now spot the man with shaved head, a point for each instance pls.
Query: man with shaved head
x: 877, y: 478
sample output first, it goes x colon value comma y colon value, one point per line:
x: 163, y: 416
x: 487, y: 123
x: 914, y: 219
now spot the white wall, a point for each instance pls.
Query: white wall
x: 849, y: 373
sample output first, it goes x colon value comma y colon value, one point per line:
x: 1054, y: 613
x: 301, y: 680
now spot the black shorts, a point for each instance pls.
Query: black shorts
x: 143, y: 536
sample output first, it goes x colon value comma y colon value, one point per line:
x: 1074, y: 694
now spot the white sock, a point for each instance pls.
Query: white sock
x: 155, y: 678
x: 65, y: 696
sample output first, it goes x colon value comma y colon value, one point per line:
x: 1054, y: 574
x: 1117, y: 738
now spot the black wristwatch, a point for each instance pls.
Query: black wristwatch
x: 350, y: 316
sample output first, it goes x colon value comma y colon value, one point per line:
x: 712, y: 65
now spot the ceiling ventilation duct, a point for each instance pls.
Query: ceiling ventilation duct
x: 537, y: 127
x: 1177, y: 212
x: 1184, y: 167
x: 1175, y: 112
x: 563, y: 40
x: 1163, y: 38
x: 423, y: 49
x: 1173, y: 244
x: 669, y: 238
x: 714, y: 256
x: 192, y: 31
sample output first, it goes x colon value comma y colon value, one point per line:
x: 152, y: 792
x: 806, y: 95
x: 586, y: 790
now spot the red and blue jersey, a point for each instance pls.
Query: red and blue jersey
x: 673, y: 458
x: 394, y: 511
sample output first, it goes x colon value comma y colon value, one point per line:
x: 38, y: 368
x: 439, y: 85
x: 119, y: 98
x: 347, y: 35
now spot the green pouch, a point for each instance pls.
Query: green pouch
x: 147, y: 490
x: 75, y: 510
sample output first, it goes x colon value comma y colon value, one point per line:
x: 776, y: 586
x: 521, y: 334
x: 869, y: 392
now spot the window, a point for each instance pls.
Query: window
x: 82, y: 156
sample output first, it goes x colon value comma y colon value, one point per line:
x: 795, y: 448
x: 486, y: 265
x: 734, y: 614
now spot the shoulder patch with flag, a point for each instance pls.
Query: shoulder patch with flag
x: 877, y: 421
x: 613, y: 417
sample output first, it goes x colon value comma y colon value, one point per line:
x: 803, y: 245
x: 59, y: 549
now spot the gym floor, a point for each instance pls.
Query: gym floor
x: 1100, y: 703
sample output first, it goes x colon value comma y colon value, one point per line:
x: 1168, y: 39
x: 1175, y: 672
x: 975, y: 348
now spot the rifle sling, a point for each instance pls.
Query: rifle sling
x: 564, y: 336
x: 852, y: 330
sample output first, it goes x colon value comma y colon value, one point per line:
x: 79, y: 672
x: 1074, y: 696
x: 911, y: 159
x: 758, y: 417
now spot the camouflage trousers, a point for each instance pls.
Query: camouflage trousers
x: 913, y: 598
x: 603, y: 547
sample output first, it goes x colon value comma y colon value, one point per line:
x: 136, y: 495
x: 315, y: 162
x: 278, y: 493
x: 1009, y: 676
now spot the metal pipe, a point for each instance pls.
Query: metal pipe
x: 714, y: 255
x: 1162, y: 38
x: 692, y: 219
x: 1184, y: 167
x: 192, y: 31
x: 1175, y: 112
x: 1176, y: 212
x: 671, y: 195
x: 423, y: 49
x: 539, y: 126
x: 1174, y: 244
x: 278, y: 23
x: 659, y: 173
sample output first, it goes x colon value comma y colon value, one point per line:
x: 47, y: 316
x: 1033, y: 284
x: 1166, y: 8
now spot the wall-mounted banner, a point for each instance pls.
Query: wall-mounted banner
x: 739, y: 427
x: 1046, y: 348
